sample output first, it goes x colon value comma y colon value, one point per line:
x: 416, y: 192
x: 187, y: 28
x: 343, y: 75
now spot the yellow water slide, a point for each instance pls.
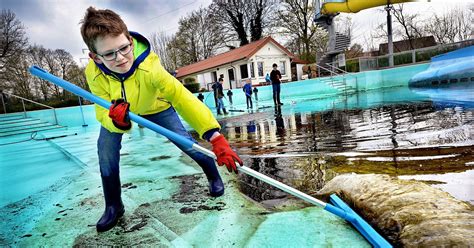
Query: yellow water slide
x: 331, y: 7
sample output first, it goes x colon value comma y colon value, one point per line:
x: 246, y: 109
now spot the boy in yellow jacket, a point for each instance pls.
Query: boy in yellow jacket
x: 124, y: 71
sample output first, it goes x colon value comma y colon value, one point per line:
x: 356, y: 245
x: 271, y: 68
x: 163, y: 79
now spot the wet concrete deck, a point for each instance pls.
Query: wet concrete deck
x: 167, y: 204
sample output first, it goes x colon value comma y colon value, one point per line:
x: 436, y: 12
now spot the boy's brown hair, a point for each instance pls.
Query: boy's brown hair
x: 100, y: 23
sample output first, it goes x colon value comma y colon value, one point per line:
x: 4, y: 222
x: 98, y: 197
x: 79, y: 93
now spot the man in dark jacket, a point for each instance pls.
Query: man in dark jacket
x: 220, y: 94
x: 275, y: 76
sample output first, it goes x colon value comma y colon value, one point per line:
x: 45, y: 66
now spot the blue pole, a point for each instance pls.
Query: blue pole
x: 82, y: 113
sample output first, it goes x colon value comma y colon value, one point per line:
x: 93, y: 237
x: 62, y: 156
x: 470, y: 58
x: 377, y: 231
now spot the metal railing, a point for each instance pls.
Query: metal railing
x: 334, y: 72
x: 336, y: 68
x: 23, y: 104
x: 326, y: 69
x: 344, y: 74
x: 406, y: 57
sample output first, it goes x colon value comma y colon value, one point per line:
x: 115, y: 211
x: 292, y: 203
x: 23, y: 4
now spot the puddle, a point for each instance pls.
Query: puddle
x: 305, y: 149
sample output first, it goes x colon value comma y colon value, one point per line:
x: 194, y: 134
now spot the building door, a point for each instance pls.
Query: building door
x: 230, y: 72
x: 214, y: 76
x: 244, y: 73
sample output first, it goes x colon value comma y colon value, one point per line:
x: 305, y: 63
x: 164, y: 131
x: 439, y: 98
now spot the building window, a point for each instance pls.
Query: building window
x: 283, y: 67
x: 252, y: 70
x: 260, y: 69
x: 244, y: 71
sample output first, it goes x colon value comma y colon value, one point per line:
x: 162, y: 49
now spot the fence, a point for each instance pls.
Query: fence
x: 403, y: 58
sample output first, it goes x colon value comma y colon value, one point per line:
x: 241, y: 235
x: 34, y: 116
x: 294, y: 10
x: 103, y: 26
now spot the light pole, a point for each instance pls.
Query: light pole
x: 390, y: 38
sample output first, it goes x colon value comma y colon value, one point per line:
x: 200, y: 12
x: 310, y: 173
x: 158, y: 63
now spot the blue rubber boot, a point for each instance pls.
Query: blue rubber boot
x: 114, y: 208
x: 216, y: 186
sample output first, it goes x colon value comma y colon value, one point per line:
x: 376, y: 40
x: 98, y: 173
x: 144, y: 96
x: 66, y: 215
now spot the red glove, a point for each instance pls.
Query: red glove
x: 118, y: 112
x: 224, y: 153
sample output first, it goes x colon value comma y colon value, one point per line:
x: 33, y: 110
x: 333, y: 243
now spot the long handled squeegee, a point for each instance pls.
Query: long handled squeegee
x: 339, y: 208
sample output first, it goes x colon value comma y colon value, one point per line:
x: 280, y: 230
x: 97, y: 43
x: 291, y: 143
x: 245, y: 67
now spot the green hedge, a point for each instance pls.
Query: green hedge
x: 189, y: 81
x: 401, y: 59
x: 193, y: 87
x: 382, y: 62
x: 352, y: 65
x: 427, y: 55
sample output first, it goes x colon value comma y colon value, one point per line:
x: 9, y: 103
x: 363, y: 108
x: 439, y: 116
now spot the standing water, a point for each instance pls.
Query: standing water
x: 396, y: 132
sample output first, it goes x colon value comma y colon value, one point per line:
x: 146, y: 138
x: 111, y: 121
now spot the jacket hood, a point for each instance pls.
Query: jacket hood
x: 139, y: 41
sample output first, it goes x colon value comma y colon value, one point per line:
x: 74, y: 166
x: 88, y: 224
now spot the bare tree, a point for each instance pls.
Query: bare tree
x: 77, y: 76
x: 52, y: 65
x: 12, y: 44
x: 451, y: 26
x: 19, y: 81
x: 210, y: 36
x: 36, y: 56
x: 410, y: 24
x: 65, y: 63
x: 160, y: 43
x: 295, y: 18
x: 369, y: 42
x: 198, y: 37
x: 14, y: 74
x: 244, y: 18
x: 354, y: 51
x: 12, y: 40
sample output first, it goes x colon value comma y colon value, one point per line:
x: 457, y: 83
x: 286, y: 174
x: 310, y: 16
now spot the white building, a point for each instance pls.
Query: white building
x: 253, y: 61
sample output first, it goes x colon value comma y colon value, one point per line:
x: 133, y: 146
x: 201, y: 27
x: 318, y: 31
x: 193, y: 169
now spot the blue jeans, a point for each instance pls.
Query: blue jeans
x: 249, y: 101
x: 220, y: 105
x: 109, y: 145
x: 276, y: 93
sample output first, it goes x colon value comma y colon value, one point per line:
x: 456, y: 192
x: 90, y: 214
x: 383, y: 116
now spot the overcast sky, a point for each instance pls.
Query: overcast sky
x: 55, y: 23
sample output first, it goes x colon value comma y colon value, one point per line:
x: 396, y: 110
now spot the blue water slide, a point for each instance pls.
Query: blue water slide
x: 453, y: 67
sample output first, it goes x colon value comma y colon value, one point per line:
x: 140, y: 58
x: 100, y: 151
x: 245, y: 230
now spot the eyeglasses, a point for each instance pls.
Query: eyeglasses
x: 124, y: 50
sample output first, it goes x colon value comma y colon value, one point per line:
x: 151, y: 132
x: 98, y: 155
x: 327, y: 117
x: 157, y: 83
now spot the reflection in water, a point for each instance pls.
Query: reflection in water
x: 384, y: 128
x: 280, y: 124
x: 394, y: 132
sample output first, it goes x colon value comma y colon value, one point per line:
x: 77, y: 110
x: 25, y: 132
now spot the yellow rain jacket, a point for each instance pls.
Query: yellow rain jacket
x: 149, y: 89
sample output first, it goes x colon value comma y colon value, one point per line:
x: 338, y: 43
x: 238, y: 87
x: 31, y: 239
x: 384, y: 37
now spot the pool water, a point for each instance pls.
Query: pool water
x: 394, y: 131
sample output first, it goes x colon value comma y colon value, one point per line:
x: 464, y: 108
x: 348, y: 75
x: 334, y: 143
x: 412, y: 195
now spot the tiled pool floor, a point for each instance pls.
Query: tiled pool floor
x: 166, y: 204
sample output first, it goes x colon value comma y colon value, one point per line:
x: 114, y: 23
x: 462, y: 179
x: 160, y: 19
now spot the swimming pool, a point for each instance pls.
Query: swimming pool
x: 392, y: 130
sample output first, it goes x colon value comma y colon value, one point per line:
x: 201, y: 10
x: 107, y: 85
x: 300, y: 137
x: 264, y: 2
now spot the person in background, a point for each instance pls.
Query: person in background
x: 255, y: 92
x: 267, y: 79
x: 275, y: 77
x: 121, y: 66
x: 229, y: 95
x: 201, y: 97
x: 220, y: 96
x: 214, y: 90
x: 248, y: 93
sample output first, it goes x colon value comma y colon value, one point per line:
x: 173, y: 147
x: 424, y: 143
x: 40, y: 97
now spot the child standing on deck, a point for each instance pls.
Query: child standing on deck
x: 125, y: 71
x: 248, y: 93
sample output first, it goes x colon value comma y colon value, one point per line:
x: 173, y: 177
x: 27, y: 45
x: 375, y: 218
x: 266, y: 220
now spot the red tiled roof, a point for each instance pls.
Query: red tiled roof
x: 243, y: 52
x: 299, y: 61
